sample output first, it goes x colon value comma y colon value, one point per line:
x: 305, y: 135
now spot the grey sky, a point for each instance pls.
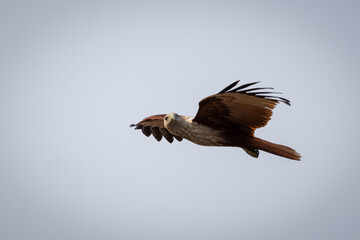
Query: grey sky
x: 74, y: 75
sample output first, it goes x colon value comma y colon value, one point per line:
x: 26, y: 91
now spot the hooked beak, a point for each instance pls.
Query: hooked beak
x: 172, y: 117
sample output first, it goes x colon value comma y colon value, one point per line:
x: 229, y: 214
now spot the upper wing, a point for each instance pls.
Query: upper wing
x: 155, y: 125
x: 240, y: 108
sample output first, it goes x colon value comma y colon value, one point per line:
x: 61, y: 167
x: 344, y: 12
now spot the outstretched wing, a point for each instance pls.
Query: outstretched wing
x: 241, y: 108
x: 155, y: 125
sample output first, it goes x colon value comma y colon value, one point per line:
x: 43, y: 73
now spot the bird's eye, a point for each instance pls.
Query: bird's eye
x: 176, y: 115
x: 166, y: 118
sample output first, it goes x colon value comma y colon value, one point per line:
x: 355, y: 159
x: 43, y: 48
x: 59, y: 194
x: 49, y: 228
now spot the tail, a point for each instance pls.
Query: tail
x: 276, y: 149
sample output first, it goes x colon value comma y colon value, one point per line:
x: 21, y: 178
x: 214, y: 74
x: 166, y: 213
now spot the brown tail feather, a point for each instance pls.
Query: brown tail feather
x: 276, y: 149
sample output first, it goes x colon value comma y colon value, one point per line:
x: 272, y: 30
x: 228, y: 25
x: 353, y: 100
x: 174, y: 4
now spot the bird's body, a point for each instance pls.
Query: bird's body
x: 228, y: 118
x: 185, y: 127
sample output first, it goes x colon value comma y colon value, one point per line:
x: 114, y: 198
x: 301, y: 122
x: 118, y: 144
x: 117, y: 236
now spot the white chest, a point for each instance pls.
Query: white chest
x: 196, y: 133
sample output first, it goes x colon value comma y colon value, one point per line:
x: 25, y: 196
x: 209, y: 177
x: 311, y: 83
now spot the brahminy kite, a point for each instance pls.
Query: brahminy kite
x: 228, y: 118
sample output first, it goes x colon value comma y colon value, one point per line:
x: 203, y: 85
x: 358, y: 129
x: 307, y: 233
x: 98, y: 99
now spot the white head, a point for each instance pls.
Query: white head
x: 176, y: 124
x: 171, y: 119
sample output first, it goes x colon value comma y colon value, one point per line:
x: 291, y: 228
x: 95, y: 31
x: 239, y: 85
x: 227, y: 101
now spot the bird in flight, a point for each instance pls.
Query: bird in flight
x: 228, y: 118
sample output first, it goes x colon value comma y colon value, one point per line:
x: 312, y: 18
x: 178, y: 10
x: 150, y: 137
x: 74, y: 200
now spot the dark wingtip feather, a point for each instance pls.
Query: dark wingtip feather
x: 244, y: 86
x: 167, y: 135
x: 178, y: 138
x: 229, y: 87
x: 156, y: 133
x: 146, y: 131
x: 255, y: 89
x: 136, y: 126
x: 284, y: 100
x: 254, y: 92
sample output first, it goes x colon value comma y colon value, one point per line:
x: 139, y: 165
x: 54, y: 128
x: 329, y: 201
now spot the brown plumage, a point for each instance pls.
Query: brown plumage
x: 228, y: 118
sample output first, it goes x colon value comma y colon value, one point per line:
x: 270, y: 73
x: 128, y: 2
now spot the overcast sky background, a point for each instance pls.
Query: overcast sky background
x: 75, y: 74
